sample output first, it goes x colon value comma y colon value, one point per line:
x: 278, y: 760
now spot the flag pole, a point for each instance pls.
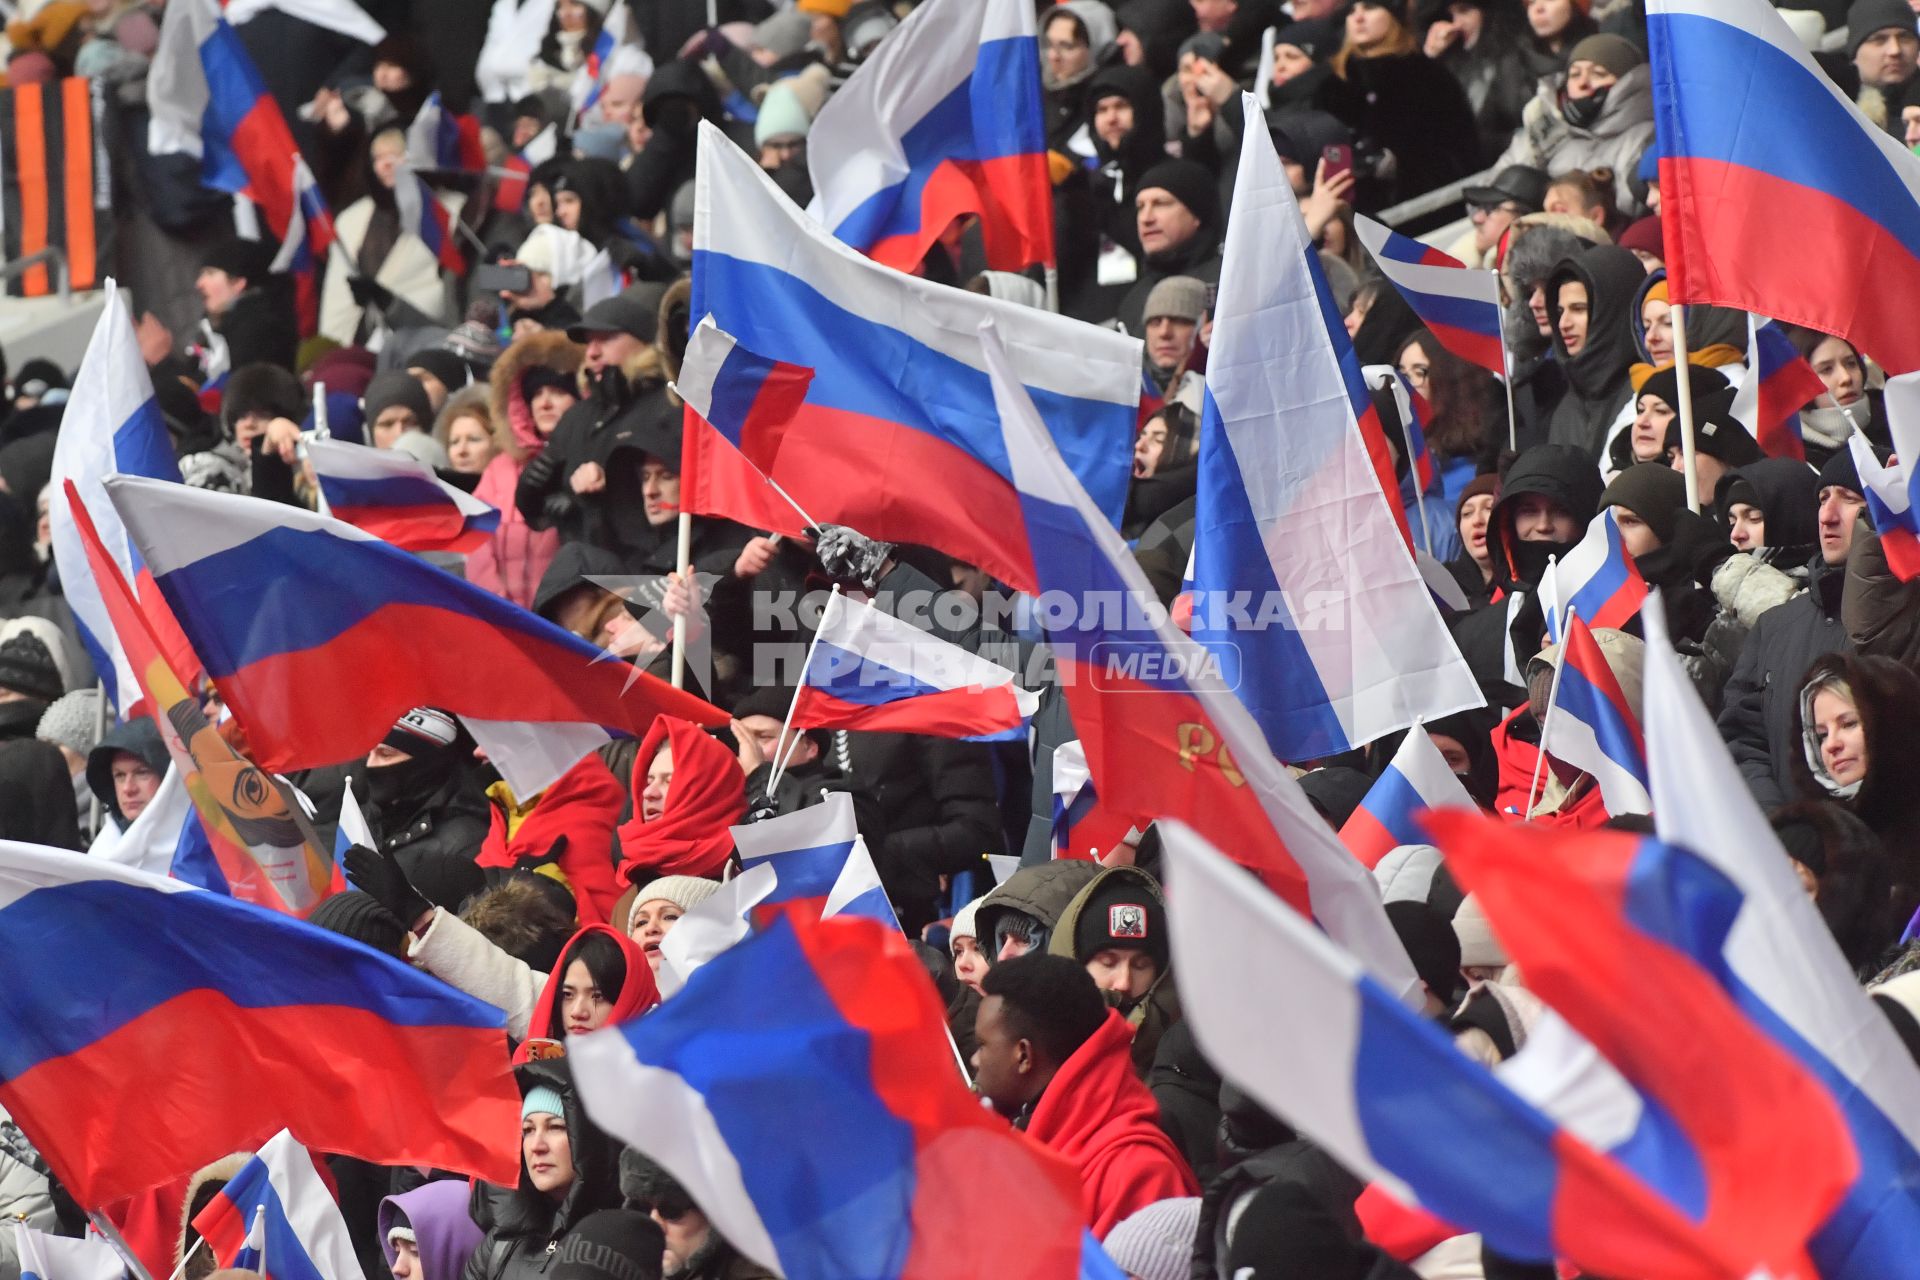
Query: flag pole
x: 1506, y: 362
x: 681, y: 558
x: 1684, y: 378
x: 192, y: 1249
x: 111, y: 1234
x: 99, y: 732
x: 1553, y: 700
x: 1413, y: 471
x: 781, y: 744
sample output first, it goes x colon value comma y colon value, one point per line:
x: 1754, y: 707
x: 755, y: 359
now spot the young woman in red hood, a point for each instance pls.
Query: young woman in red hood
x: 602, y: 977
x: 687, y: 790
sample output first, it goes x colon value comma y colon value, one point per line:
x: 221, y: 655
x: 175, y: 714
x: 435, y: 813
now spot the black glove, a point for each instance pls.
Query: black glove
x: 845, y: 553
x: 378, y: 875
x: 539, y: 473
x: 558, y: 509
x: 368, y: 293
x: 554, y: 853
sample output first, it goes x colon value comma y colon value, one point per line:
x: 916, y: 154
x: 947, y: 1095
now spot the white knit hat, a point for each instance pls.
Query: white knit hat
x: 1479, y: 949
x: 1156, y: 1243
x: 685, y: 892
x: 963, y: 925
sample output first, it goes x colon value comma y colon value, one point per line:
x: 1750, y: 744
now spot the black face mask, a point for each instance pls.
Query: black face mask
x: 1582, y: 112
x: 408, y: 783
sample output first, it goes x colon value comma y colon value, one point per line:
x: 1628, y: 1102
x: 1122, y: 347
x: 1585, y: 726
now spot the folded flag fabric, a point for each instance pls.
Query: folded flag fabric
x: 1459, y: 305
x: 1598, y: 579
x: 276, y: 1217
x: 445, y: 141
x: 302, y: 1018
x: 822, y: 866
x: 1414, y: 782
x: 1082, y: 826
x: 49, y: 1257
x: 422, y: 213
x: 860, y: 1178
x: 1890, y: 489
x: 1779, y: 383
x: 1591, y: 727
x: 398, y: 499
x: 747, y: 397
x: 869, y: 670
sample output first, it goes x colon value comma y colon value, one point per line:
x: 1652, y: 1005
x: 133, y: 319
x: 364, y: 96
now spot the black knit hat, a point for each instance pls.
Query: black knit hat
x: 27, y: 668
x: 1431, y: 944
x: 1122, y: 915
x: 261, y: 388
x: 1839, y: 469
x: 613, y: 1244
x: 1654, y: 492
x: 243, y: 259
x: 356, y: 915
x: 1190, y: 184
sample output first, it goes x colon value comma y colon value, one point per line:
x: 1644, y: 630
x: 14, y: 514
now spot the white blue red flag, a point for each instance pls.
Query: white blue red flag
x: 112, y: 426
x: 1459, y: 305
x: 1890, y: 490
x: 1304, y: 587
x: 44, y: 1256
x: 945, y: 119
x: 397, y: 498
x: 1416, y: 781
x: 1082, y: 826
x: 1598, y: 578
x: 1162, y: 732
x: 422, y: 213
x: 820, y: 863
x: 747, y: 397
x: 444, y: 141
x: 1770, y: 176
x: 1592, y: 728
x: 857, y: 1179
x: 1781, y: 963
x: 1779, y: 383
x: 276, y: 1217
x: 303, y: 1018
x: 1384, y: 1091
x: 869, y: 670
x: 900, y: 398
x: 305, y: 243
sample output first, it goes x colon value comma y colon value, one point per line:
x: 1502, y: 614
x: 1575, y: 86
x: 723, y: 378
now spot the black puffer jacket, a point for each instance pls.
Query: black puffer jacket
x: 36, y: 792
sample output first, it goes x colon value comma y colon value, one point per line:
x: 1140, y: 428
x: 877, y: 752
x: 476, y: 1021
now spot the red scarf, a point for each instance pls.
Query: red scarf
x: 708, y: 794
x: 638, y: 993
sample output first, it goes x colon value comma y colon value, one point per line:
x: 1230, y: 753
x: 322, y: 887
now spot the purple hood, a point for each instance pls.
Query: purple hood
x: 441, y: 1225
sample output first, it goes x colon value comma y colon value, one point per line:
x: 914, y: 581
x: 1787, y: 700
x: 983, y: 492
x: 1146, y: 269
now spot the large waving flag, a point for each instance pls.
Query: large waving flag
x: 49, y: 1257
x: 899, y: 437
x: 1598, y: 579
x: 1305, y: 590
x: 1783, y: 967
x: 112, y: 425
x: 1779, y: 383
x: 208, y: 100
x: 1386, y: 1093
x: 860, y: 1178
x: 1591, y: 727
x: 820, y: 863
x: 279, y: 1197
x: 945, y: 119
x: 1770, y: 177
x: 1621, y: 934
x: 397, y: 498
x: 278, y: 602
x: 1459, y: 305
x: 1890, y: 490
x: 263, y: 1023
x: 739, y: 405
x: 1416, y: 781
x: 1162, y: 732
x: 869, y: 670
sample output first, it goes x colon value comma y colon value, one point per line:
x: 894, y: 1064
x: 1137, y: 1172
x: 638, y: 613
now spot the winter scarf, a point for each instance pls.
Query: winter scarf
x: 708, y: 795
x: 637, y: 991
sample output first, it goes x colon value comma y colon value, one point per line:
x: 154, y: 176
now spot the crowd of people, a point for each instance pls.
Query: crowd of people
x: 530, y: 382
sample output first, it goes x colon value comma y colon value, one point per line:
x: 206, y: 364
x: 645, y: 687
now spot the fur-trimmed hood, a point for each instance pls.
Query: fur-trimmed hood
x: 549, y: 347
x: 211, y: 1178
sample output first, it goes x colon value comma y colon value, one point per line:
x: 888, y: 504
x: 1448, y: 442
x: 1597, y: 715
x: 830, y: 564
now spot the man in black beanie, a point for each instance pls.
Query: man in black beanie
x: 1177, y: 214
x: 246, y: 310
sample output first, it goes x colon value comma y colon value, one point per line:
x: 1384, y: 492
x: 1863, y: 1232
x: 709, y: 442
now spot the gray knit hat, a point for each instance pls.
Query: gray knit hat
x: 72, y: 721
x: 1156, y: 1243
x: 1182, y: 297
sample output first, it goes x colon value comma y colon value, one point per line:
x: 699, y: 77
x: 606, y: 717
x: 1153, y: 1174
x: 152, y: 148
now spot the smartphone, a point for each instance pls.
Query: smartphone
x: 1335, y: 160
x: 494, y: 277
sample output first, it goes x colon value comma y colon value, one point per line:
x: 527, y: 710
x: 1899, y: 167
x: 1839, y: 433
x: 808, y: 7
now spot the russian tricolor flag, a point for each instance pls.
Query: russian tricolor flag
x: 302, y: 1018
x: 1890, y: 490
x: 899, y: 437
x: 1416, y: 781
x: 1305, y: 588
x: 44, y: 1256
x: 1082, y: 826
x: 945, y: 119
x: 1591, y: 727
x: 276, y: 1217
x: 1771, y: 177
x: 859, y: 1178
x: 397, y: 498
x: 444, y: 141
x: 869, y: 670
x: 1460, y: 306
x: 1598, y: 578
x: 821, y: 865
x: 1779, y: 383
x: 422, y: 213
x: 747, y: 397
x: 305, y: 243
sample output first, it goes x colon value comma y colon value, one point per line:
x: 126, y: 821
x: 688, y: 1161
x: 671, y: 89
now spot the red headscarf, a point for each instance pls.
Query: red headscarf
x: 638, y: 993
x: 708, y: 795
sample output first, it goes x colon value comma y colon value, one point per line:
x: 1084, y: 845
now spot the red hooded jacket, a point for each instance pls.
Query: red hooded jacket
x: 1517, y: 757
x: 583, y: 805
x: 638, y: 992
x: 1097, y: 1114
x: 708, y: 795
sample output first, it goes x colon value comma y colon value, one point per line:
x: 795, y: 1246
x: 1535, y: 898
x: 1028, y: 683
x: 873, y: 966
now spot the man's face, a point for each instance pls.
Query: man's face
x: 1112, y: 120
x: 217, y: 289
x: 1887, y: 57
x: 1003, y: 1065
x: 1573, y: 316
x: 1910, y: 126
x: 134, y: 783
x: 1169, y: 339
x: 590, y: 613
x: 1537, y: 518
x: 660, y: 492
x: 1127, y: 972
x: 606, y: 350
x: 1164, y: 223
x: 619, y: 97
x: 394, y: 421
x: 1490, y: 222
x: 765, y: 730
x: 1840, y: 509
x: 1585, y: 78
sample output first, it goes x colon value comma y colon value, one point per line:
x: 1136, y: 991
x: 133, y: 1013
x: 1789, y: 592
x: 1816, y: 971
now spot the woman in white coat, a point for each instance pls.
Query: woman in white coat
x: 369, y: 233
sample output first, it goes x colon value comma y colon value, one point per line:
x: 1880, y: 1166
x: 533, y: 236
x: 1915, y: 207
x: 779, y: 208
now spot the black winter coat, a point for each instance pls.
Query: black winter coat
x: 36, y: 792
x: 936, y: 798
x: 1415, y: 109
x: 260, y: 328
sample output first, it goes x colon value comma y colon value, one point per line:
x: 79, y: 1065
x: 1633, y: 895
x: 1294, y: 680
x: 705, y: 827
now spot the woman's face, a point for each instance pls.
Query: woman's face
x: 1649, y: 438
x: 1585, y: 78
x: 1656, y: 316
x: 1066, y: 44
x: 387, y: 155
x: 566, y: 210
x: 1289, y: 60
x: 1475, y: 512
x: 651, y: 920
x: 1549, y: 18
x: 1840, y: 369
x: 1636, y: 535
x: 1747, y: 526
x: 572, y: 15
x: 548, y: 406
x: 1417, y: 366
x: 539, y: 204
x: 583, y: 1005
x: 469, y: 446
x: 969, y: 962
x: 545, y: 1147
x: 1357, y: 313
x: 653, y: 798
x: 1842, y: 738
x: 1369, y: 26
x: 1148, y: 446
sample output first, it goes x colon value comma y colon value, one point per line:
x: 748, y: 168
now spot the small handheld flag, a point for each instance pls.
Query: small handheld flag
x: 1459, y: 305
